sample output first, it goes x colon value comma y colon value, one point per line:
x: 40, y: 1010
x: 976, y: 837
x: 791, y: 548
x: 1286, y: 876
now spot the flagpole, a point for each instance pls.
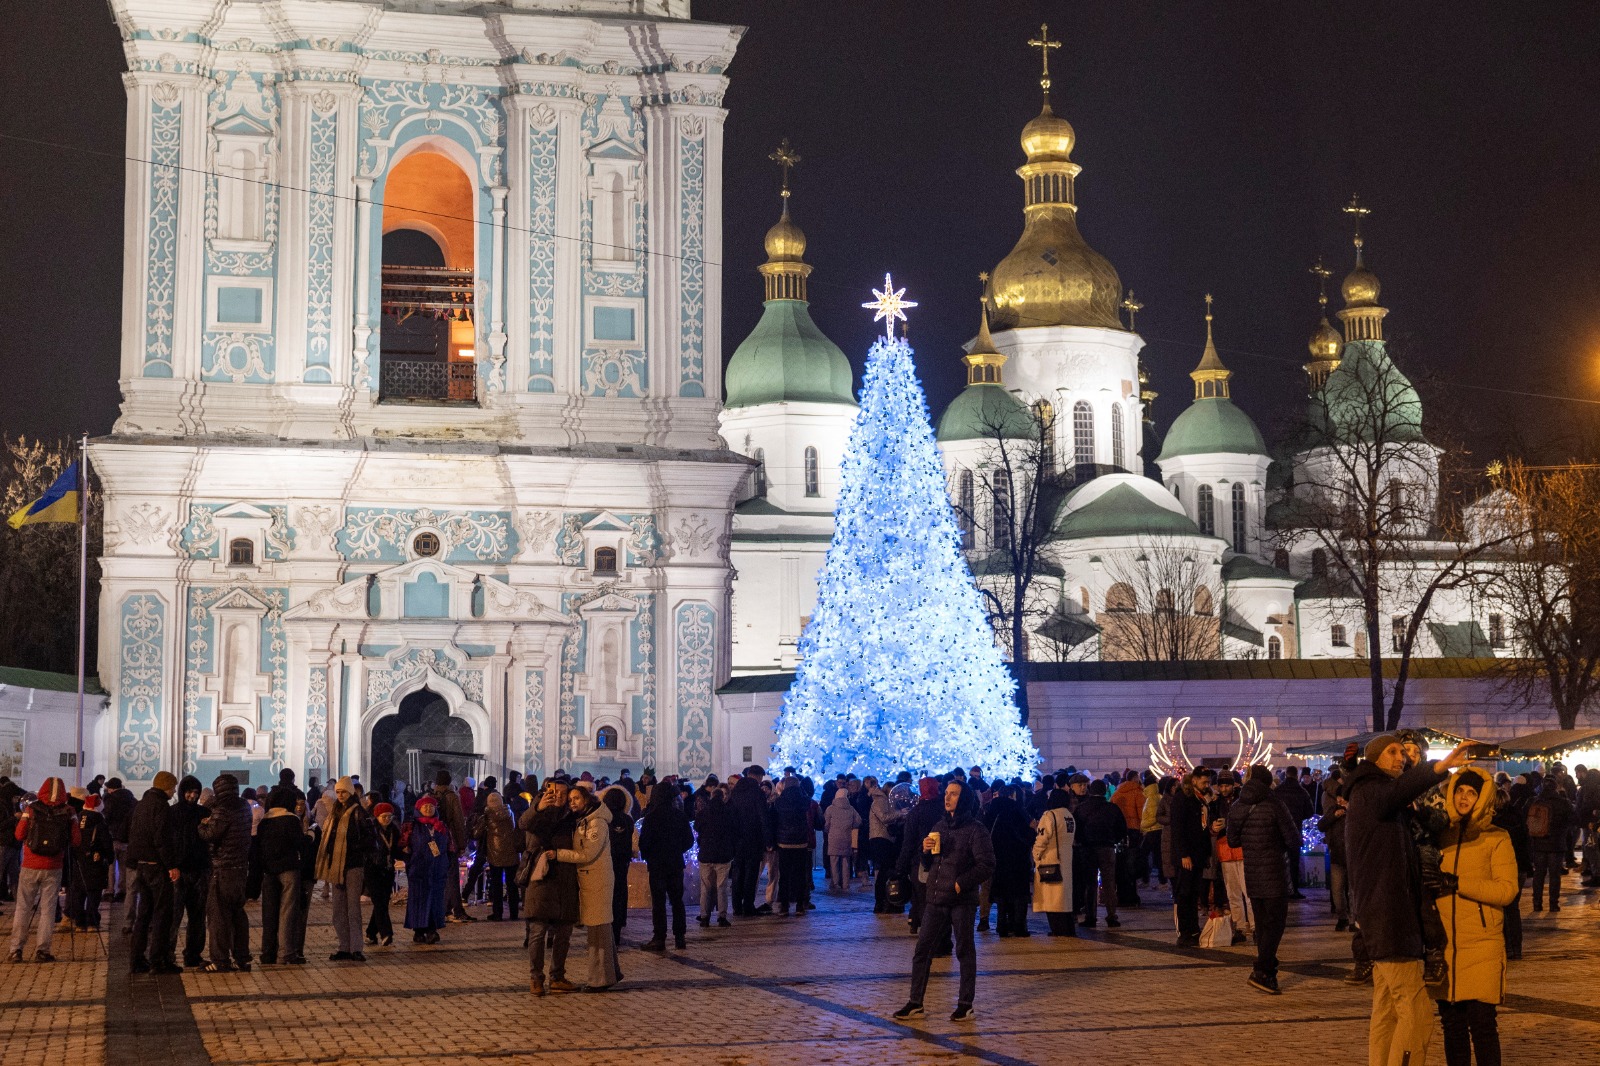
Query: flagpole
x: 83, y: 590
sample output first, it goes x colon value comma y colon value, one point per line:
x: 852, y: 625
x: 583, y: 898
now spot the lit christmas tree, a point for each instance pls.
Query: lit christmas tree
x: 900, y: 669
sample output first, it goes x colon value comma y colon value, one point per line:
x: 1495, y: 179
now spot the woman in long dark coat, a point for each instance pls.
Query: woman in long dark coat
x: 1013, y: 837
x: 426, y: 843
x: 550, y: 903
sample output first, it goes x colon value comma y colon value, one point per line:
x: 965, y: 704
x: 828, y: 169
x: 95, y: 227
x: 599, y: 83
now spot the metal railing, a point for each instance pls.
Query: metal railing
x: 427, y: 380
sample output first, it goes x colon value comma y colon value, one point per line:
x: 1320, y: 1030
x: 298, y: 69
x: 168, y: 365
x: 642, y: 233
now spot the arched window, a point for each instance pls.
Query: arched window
x: 1280, y: 559
x: 1202, y: 602
x: 1337, y: 637
x: 964, y: 506
x: 1319, y: 563
x: 1001, y: 532
x: 1121, y: 597
x: 1164, y: 601
x: 1206, y: 511
x: 812, y: 488
x: 1083, y: 596
x: 1238, y: 517
x: 1177, y: 492
x: 1117, y: 442
x: 233, y: 736
x: 1397, y: 632
x: 605, y: 738
x: 761, y: 472
x: 1274, y: 648
x: 605, y: 560
x: 241, y: 552
x: 1397, y: 499
x: 1497, y: 631
x: 1082, y: 433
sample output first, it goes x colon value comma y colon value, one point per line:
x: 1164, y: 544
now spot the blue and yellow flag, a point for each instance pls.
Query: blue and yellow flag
x: 58, y: 504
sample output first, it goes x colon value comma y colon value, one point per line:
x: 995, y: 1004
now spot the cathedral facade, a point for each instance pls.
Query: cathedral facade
x: 418, y: 463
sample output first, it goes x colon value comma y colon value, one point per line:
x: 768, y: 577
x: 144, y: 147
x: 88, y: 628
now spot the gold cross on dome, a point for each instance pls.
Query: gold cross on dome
x: 1043, y: 43
x: 1322, y: 274
x: 1357, y: 212
x: 890, y: 304
x: 1133, y: 307
x: 787, y: 158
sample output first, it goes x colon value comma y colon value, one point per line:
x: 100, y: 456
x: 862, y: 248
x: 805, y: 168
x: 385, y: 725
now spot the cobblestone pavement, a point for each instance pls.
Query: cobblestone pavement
x: 817, y: 989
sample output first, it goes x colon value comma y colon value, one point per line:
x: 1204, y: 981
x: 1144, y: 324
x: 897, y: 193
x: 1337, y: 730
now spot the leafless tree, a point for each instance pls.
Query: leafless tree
x: 1547, y: 581
x: 1163, y: 604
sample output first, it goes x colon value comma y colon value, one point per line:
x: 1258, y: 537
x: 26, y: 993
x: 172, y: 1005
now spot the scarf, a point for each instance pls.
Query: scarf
x: 330, y: 858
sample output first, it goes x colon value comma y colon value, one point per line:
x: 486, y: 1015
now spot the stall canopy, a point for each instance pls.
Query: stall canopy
x: 1552, y: 744
x: 1437, y: 738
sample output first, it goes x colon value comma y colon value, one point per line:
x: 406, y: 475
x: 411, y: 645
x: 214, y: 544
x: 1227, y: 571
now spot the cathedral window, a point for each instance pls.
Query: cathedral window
x: 605, y: 738
x: 241, y: 167
x: 1165, y: 603
x: 1274, y: 648
x: 760, y: 475
x: 613, y: 202
x: 1319, y: 563
x: 233, y: 736
x: 1207, y: 511
x: 1121, y: 598
x: 1397, y: 632
x: 1280, y: 559
x: 1337, y: 637
x: 425, y: 545
x: 812, y: 482
x: 964, y: 508
x: 1238, y: 517
x: 1203, y: 605
x: 1001, y: 534
x: 241, y: 552
x: 605, y: 560
x: 1044, y: 416
x: 1497, y: 631
x: 1082, y: 433
x: 1118, y: 446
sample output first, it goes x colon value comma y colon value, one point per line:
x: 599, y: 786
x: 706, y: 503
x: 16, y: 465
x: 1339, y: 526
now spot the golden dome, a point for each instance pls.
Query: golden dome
x: 1053, y: 278
x: 1326, y: 342
x: 1048, y: 138
x: 1360, y: 288
x: 785, y: 242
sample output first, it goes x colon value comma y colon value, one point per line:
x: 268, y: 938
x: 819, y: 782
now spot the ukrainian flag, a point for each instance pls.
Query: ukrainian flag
x: 58, y: 504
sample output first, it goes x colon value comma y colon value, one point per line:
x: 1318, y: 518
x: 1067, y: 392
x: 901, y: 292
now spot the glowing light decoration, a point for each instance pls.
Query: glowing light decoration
x: 1169, y: 759
x: 899, y: 667
x: 890, y: 305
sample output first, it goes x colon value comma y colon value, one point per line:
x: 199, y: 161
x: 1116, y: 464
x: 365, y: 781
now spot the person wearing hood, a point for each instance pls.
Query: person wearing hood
x: 1301, y: 807
x: 883, y: 821
x: 957, y: 856
x: 1261, y: 825
x: 194, y: 872
x: 47, y: 830
x: 1052, y: 847
x: 1484, y: 863
x: 919, y: 822
x: 1386, y: 891
x: 714, y: 837
x: 795, y: 832
x: 497, y: 843
x: 620, y: 833
x: 591, y: 854
x: 752, y: 836
x: 664, y: 835
x: 551, y: 902
x: 91, y: 866
x: 425, y: 843
x: 278, y: 843
x: 841, y: 824
x: 154, y: 855
x: 1013, y: 838
x: 226, y: 830
x: 342, y: 863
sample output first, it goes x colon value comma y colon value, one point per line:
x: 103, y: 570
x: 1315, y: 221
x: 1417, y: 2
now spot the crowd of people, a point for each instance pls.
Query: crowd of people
x: 1426, y: 864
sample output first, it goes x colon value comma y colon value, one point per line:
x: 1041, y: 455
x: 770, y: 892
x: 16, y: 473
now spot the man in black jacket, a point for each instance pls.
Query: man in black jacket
x: 119, y: 804
x: 1101, y: 826
x: 714, y: 833
x: 958, y: 857
x: 1191, y: 851
x: 194, y: 866
x: 1299, y: 802
x: 227, y: 831
x: 1260, y: 824
x: 1386, y: 893
x: 153, y: 852
x: 752, y: 837
x: 920, y: 821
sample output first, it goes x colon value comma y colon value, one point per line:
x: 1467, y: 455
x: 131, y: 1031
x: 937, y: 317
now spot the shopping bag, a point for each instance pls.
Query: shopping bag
x: 1218, y: 931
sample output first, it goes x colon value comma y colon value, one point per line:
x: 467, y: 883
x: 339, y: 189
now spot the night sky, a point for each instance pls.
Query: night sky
x: 1217, y: 141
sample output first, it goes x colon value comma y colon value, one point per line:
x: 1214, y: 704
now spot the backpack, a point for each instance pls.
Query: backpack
x: 49, y: 833
x: 1539, y: 819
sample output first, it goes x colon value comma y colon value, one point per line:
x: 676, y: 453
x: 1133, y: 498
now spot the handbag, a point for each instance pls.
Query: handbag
x: 1218, y: 931
x: 1050, y: 873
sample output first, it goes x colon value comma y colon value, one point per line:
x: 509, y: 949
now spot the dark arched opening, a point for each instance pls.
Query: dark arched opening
x: 423, y: 724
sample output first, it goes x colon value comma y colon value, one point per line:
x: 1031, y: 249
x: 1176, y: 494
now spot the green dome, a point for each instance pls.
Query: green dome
x: 979, y: 410
x: 1122, y: 505
x: 1368, y: 396
x: 787, y: 358
x: 1210, y: 426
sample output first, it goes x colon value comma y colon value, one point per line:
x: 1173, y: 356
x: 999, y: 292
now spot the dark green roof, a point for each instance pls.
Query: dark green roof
x: 1244, y: 568
x: 984, y: 411
x: 760, y: 505
x: 787, y: 358
x: 1211, y: 426
x: 16, y: 676
x: 1461, y: 640
x: 1121, y: 511
x: 1367, y: 397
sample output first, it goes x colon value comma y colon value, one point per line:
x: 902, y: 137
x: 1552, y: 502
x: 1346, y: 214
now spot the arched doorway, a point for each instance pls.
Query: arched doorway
x: 424, y: 726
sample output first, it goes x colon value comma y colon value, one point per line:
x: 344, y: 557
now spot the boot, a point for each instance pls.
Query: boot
x: 1361, y: 975
x: 536, y: 986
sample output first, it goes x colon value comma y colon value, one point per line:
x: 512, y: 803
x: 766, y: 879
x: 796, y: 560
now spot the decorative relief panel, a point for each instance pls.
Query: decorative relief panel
x: 319, y: 239
x: 542, y: 162
x: 382, y: 534
x: 317, y: 720
x: 161, y: 264
x: 695, y: 633
x: 533, y: 724
x: 140, y: 685
x: 691, y: 262
x: 419, y: 662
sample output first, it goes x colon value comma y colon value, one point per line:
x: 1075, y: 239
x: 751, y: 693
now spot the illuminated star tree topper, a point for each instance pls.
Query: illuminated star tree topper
x: 890, y: 304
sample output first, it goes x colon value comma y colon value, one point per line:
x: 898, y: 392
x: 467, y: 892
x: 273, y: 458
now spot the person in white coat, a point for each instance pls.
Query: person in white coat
x: 591, y: 854
x: 1052, y: 847
x: 841, y: 824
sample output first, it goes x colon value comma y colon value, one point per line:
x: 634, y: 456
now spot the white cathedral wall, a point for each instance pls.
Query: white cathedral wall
x: 1221, y: 471
x: 1066, y: 364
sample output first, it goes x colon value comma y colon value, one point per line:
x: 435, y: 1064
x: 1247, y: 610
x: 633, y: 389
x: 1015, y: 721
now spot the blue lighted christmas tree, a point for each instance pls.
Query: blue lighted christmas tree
x: 900, y: 669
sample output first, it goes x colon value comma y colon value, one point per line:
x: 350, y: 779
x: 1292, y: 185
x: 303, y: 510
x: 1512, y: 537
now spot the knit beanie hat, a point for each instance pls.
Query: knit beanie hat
x: 1376, y: 746
x: 343, y: 784
x: 280, y: 799
x: 1471, y: 779
x: 427, y: 806
x: 1261, y: 773
x: 165, y: 780
x: 382, y: 809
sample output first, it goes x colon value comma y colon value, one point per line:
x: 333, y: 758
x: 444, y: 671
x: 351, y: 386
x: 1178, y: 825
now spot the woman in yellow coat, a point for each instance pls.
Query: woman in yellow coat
x: 1485, y: 866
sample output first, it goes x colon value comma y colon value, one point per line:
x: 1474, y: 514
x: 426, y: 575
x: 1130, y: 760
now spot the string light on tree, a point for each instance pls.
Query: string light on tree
x: 899, y: 668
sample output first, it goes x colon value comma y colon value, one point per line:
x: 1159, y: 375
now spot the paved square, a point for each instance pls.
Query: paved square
x: 817, y: 989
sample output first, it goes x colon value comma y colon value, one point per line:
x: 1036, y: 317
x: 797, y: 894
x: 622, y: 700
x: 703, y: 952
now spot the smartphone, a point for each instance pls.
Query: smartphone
x: 1483, y: 751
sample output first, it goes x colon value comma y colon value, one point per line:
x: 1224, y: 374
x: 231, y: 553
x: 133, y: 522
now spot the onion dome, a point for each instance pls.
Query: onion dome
x: 1326, y: 342
x: 1362, y: 317
x: 984, y: 410
x: 1212, y: 424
